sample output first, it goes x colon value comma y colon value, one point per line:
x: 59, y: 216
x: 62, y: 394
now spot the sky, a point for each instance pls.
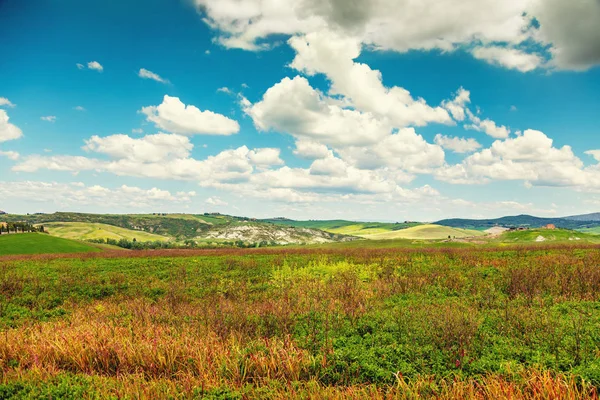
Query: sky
x: 383, y: 110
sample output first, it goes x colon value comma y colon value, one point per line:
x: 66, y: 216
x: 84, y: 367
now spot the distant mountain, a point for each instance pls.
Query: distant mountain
x: 585, y: 217
x: 519, y: 221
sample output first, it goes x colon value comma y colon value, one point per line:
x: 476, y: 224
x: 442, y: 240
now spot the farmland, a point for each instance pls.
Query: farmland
x: 87, y: 231
x: 326, y: 322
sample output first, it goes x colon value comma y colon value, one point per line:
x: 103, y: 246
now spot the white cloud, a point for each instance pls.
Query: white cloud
x: 11, y: 155
x: 594, y: 153
x: 311, y: 150
x: 513, y: 108
x: 457, y: 106
x: 78, y: 108
x: 146, y: 74
x: 150, y: 148
x: 76, y: 194
x: 457, y: 144
x: 95, y: 65
x: 530, y: 157
x: 569, y: 29
x: 265, y: 157
x: 487, y: 126
x: 509, y: 58
x: 293, y: 106
x: 49, y: 118
x: 138, y: 130
x: 174, y: 116
x: 5, y: 102
x: 225, y: 90
x: 80, y: 66
x: 215, y: 201
x: 333, y: 55
x: 8, y: 131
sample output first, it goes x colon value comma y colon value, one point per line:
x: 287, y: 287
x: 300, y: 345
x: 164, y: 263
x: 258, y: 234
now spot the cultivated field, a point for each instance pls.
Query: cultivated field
x: 331, y: 322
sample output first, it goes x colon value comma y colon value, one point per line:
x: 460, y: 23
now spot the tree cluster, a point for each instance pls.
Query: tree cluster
x: 19, y: 227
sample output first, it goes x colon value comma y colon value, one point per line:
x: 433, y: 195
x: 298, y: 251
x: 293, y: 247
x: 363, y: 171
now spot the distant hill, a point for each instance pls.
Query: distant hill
x: 518, y: 221
x: 89, y: 230
x: 585, y: 217
x: 344, y: 227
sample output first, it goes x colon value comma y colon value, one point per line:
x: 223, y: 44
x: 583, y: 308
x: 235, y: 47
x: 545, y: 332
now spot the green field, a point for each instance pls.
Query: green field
x: 86, y: 230
x: 40, y: 243
x: 344, y: 227
x: 306, y: 323
x: 425, y: 232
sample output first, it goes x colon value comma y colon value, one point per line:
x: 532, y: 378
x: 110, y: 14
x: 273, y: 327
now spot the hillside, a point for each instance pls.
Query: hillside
x: 517, y: 221
x: 273, y: 234
x: 546, y: 235
x: 585, y: 217
x: 425, y: 232
x: 343, y: 227
x: 89, y: 230
x: 40, y: 243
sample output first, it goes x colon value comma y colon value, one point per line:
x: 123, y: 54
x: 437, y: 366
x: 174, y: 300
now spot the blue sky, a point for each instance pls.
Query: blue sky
x: 378, y: 110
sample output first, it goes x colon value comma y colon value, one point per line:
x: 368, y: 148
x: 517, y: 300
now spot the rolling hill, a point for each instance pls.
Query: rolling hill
x: 90, y: 230
x: 518, y: 221
x: 425, y: 232
x: 40, y: 243
x: 343, y: 227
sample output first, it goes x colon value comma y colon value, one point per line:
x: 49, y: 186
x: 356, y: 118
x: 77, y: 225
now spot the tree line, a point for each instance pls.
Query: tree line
x: 19, y: 227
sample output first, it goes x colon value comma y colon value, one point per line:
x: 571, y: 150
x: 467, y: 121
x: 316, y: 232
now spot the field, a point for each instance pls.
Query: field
x: 326, y: 322
x: 344, y: 227
x: 85, y: 231
x: 425, y: 232
x: 39, y: 243
x: 548, y: 235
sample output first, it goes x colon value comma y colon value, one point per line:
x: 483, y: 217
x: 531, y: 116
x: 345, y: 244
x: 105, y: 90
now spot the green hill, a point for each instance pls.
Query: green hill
x: 547, y: 236
x: 40, y: 243
x: 425, y: 232
x: 89, y: 230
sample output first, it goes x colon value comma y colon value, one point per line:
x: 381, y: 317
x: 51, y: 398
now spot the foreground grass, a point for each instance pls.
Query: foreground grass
x: 40, y: 243
x: 351, y: 323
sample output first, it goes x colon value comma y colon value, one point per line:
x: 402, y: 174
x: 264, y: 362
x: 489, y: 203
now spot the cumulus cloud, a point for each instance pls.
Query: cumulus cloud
x: 95, y: 65
x: 5, y: 102
x: 311, y: 150
x: 594, y: 153
x: 457, y: 144
x: 333, y: 55
x: 146, y: 74
x: 8, y: 131
x: 487, y: 126
x: 508, y: 57
x: 172, y: 115
x: 77, y: 194
x: 530, y: 157
x: 49, y: 118
x: 11, y: 155
x: 215, y: 201
x: 150, y: 148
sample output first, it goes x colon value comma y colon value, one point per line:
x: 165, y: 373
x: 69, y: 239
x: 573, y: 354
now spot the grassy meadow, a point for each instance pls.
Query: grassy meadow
x: 40, y: 243
x: 425, y: 232
x: 328, y: 322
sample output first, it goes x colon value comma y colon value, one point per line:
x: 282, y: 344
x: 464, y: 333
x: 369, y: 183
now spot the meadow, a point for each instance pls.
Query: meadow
x: 40, y: 243
x: 87, y: 231
x: 359, y: 322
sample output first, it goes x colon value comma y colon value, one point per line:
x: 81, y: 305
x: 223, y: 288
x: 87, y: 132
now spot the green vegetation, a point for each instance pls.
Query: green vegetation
x: 40, y: 243
x: 332, y: 322
x: 547, y: 235
x: 521, y: 221
x: 86, y: 231
x: 344, y: 227
x: 426, y: 232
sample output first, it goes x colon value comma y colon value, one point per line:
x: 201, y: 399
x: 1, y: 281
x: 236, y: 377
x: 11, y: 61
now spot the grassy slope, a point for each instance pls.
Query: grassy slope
x: 425, y: 232
x: 39, y: 243
x: 552, y: 236
x: 84, y: 231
